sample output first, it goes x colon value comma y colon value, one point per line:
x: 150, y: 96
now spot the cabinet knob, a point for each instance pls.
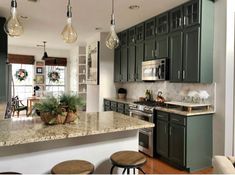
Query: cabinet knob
x: 183, y: 74
x: 178, y: 75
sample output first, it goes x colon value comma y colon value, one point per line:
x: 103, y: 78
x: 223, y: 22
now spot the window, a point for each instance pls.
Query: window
x: 55, y: 88
x: 22, y: 89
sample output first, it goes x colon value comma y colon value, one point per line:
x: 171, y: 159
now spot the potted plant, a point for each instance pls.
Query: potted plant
x: 51, y: 111
x: 122, y: 93
x: 70, y: 103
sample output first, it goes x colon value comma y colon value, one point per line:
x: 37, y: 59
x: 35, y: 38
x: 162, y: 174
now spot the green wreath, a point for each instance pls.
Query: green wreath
x: 21, y: 74
x: 54, y: 76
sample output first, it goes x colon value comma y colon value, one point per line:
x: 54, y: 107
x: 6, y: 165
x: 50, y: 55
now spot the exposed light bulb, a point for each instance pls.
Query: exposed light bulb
x: 69, y: 34
x: 12, y: 26
x: 112, y: 40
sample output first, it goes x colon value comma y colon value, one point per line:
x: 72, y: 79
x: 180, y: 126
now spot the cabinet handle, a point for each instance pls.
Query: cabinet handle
x: 185, y: 21
x: 156, y: 52
x: 170, y: 131
x: 183, y: 74
x: 180, y: 22
x: 152, y: 53
x: 178, y: 74
x: 165, y: 129
x: 175, y: 120
x: 156, y: 31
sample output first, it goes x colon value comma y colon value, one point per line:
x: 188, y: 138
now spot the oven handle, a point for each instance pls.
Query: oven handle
x: 140, y: 113
x: 146, y: 132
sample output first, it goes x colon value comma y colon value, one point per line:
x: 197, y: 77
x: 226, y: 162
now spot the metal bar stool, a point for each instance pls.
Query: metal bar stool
x: 128, y: 160
x: 73, y: 167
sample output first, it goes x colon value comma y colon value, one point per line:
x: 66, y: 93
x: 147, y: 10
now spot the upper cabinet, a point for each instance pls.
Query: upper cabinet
x: 192, y: 13
x: 140, y: 33
x: 176, y: 19
x: 150, y: 29
x: 183, y: 34
x: 162, y: 25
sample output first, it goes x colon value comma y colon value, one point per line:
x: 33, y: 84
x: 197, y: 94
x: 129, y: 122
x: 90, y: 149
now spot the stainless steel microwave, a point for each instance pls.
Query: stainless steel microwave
x: 155, y: 70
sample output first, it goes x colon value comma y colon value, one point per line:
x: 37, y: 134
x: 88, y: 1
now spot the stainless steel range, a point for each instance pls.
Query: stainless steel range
x: 145, y: 111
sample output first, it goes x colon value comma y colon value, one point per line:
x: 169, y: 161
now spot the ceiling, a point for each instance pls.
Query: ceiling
x: 46, y: 18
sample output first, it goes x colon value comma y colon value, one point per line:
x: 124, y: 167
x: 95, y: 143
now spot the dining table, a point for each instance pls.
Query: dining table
x: 30, y: 102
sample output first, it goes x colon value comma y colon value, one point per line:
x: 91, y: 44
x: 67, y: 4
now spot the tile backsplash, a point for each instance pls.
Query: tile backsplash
x: 171, y: 91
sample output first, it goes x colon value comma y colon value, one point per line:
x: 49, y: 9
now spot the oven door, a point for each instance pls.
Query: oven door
x: 146, y: 134
x: 146, y: 142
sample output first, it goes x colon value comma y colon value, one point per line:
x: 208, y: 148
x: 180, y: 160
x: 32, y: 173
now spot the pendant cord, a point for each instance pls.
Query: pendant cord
x: 69, y: 9
x: 112, y: 7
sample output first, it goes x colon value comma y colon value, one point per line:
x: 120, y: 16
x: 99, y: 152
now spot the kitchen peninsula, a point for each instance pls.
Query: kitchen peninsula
x: 29, y: 146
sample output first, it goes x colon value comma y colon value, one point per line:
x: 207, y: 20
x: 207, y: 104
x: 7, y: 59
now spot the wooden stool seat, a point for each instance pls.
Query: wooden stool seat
x: 73, y: 167
x: 128, y: 160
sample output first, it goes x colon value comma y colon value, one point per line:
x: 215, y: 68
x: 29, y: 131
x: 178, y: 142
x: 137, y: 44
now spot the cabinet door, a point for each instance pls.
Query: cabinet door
x: 139, y: 60
x: 177, y: 135
x: 124, y: 38
x: 161, y: 47
x: 124, y: 63
x: 176, y: 19
x: 150, y: 28
x: 117, y: 65
x: 192, y: 13
x: 131, y: 63
x: 131, y: 36
x: 3, y: 59
x: 140, y: 33
x: 191, y: 55
x: 176, y: 56
x: 149, y: 49
x: 162, y: 138
x: 162, y: 24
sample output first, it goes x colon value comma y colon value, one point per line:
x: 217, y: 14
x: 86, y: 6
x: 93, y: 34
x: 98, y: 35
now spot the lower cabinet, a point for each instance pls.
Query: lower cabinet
x: 185, y: 142
x: 116, y: 107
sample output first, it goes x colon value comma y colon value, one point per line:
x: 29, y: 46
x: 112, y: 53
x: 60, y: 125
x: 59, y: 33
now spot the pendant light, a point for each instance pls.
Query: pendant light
x: 12, y: 26
x: 112, y: 40
x: 45, y: 55
x: 69, y: 34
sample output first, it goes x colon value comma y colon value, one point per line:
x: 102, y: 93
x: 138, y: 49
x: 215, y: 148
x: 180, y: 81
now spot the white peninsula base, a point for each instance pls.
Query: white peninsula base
x: 40, y: 157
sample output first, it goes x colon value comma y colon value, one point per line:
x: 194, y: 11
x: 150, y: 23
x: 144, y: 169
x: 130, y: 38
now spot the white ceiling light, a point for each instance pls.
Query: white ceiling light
x: 112, y: 40
x: 12, y: 26
x: 69, y: 34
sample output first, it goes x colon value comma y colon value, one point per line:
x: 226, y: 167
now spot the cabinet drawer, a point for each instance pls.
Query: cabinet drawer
x: 120, y: 110
x: 127, y: 109
x: 162, y: 115
x: 107, y: 108
x: 106, y: 102
x: 177, y: 119
x: 120, y: 106
x: 113, y: 104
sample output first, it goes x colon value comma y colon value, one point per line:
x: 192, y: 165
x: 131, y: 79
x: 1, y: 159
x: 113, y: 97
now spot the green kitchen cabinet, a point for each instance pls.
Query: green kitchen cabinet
x: 177, y: 136
x: 150, y: 28
x: 192, y: 13
x: 162, y: 137
x: 191, y: 67
x: 140, y: 33
x: 161, y: 50
x: 176, y: 19
x: 131, y: 36
x: 124, y: 63
x: 124, y: 38
x: 184, y: 141
x: 149, y: 49
x: 3, y: 59
x: 131, y: 63
x: 176, y: 55
x: 117, y: 65
x: 162, y: 24
x: 138, y: 61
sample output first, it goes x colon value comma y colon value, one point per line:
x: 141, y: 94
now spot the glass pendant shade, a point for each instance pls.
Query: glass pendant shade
x: 112, y: 40
x: 12, y: 26
x: 69, y: 35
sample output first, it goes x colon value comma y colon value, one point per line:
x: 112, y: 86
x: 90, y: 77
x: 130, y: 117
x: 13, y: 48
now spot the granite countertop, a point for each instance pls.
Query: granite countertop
x: 15, y: 132
x: 167, y: 109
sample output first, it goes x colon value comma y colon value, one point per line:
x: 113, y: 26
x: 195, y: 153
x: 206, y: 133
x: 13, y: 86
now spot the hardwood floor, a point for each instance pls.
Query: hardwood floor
x: 155, y: 166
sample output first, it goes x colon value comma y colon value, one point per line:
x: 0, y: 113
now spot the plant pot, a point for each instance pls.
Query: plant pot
x: 60, y: 119
x: 47, y: 118
x: 71, y: 117
x: 121, y: 96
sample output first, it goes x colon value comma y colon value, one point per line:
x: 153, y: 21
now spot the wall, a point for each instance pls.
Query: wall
x: 171, y: 91
x: 106, y: 88
x: 38, y: 52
